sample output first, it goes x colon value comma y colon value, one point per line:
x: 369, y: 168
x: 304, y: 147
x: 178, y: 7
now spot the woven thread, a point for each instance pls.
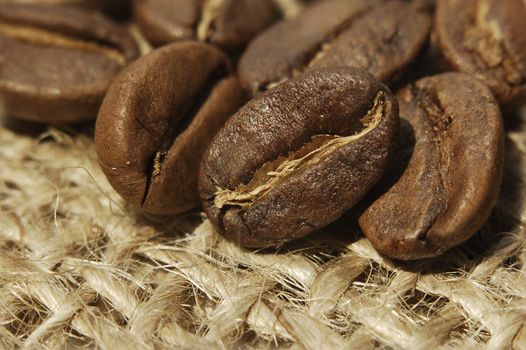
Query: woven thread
x: 78, y: 267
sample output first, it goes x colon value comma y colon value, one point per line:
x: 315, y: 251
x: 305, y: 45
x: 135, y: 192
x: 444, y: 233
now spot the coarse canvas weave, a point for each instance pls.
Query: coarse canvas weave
x: 80, y: 268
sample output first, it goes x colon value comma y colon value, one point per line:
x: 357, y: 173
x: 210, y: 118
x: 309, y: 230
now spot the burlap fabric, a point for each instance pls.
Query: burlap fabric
x: 78, y: 267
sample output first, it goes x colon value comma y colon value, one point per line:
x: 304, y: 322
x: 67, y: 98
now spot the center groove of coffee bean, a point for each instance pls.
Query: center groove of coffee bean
x: 155, y: 165
x: 440, y: 124
x: 269, y: 175
x: 210, y: 12
x: 485, y: 38
x: 430, y: 104
x: 48, y: 38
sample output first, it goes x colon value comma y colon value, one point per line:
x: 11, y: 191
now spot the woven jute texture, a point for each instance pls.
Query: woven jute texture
x: 80, y: 268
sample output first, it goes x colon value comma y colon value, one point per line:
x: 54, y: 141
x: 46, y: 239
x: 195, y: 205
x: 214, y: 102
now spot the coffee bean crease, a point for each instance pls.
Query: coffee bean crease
x: 319, y: 147
x: 485, y: 38
x: 298, y: 156
x: 157, y: 119
x: 445, y: 190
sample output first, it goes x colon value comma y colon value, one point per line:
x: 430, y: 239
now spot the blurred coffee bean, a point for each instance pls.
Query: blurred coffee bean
x: 486, y: 38
x: 380, y: 37
x: 228, y: 24
x: 114, y: 8
x: 56, y: 63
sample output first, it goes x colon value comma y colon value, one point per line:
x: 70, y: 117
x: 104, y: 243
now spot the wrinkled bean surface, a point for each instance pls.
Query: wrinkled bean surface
x: 297, y: 157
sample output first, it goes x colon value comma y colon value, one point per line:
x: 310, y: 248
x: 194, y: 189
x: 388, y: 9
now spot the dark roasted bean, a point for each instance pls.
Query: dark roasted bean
x: 297, y: 157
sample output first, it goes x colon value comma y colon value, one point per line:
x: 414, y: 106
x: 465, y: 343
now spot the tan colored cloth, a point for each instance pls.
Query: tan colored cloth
x: 78, y: 267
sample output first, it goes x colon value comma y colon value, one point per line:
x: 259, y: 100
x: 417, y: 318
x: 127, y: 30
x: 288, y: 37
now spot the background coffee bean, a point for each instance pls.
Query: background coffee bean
x: 382, y: 38
x: 383, y: 41
x: 452, y: 181
x: 115, y: 8
x: 225, y: 23
x: 273, y: 54
x: 56, y: 63
x: 157, y: 119
x: 297, y: 157
x: 486, y: 38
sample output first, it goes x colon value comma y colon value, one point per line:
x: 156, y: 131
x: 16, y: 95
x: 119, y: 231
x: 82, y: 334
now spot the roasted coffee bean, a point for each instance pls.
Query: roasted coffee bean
x: 297, y: 157
x: 156, y: 120
x: 56, y: 63
x: 381, y: 39
x: 452, y: 180
x: 486, y: 38
x: 115, y: 8
x: 225, y: 23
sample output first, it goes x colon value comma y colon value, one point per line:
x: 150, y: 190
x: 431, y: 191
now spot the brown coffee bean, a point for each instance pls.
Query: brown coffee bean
x: 56, y: 63
x: 382, y: 38
x: 452, y: 180
x: 486, y: 38
x: 297, y: 157
x: 225, y: 23
x: 156, y: 120
x: 115, y: 8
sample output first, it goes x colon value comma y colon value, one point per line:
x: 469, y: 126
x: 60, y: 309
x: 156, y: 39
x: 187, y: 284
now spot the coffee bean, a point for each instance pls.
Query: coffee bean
x: 486, y: 38
x: 156, y: 120
x: 297, y: 157
x: 452, y: 180
x: 273, y: 55
x: 382, y: 38
x: 115, y: 8
x: 56, y: 63
x: 226, y: 23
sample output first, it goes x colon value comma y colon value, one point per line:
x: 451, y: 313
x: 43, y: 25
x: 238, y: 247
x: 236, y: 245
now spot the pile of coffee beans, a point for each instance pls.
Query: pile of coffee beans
x: 277, y: 126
